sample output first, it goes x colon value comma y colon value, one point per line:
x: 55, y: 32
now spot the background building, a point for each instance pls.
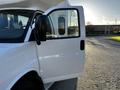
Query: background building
x: 102, y: 29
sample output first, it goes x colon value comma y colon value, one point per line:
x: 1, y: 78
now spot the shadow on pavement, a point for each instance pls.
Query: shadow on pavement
x: 70, y: 84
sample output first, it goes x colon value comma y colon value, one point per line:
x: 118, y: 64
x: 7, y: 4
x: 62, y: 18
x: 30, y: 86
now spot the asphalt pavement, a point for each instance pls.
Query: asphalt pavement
x: 102, y: 68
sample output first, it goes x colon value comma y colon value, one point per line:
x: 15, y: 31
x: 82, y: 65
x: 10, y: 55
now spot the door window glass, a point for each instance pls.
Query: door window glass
x: 64, y: 23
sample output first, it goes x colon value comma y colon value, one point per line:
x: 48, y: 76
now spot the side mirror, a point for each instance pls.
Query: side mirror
x: 41, y: 26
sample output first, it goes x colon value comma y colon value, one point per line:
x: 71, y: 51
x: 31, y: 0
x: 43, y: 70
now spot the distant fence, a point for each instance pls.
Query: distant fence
x: 100, y: 30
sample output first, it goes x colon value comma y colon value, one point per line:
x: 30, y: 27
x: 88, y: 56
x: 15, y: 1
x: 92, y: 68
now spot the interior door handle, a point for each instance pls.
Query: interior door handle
x: 82, y: 45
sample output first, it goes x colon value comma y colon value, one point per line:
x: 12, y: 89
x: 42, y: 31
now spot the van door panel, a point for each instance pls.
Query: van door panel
x: 61, y: 57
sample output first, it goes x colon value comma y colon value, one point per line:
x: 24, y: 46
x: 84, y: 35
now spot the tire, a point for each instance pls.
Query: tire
x: 27, y: 85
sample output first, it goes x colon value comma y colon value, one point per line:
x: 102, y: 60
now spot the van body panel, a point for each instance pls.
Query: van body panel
x: 16, y: 61
x: 62, y: 58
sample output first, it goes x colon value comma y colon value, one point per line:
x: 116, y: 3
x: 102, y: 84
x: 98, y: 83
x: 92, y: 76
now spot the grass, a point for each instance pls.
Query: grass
x: 115, y: 38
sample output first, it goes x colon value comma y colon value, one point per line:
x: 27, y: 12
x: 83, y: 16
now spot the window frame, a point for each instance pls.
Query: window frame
x: 79, y: 29
x: 32, y: 35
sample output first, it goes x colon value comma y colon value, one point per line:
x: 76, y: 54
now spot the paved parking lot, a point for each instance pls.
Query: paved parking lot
x: 102, y: 68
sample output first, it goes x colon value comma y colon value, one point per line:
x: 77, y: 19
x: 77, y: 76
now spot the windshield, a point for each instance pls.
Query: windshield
x: 13, y: 25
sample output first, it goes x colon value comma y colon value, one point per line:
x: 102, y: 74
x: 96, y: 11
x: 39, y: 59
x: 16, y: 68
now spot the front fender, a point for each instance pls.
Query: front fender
x: 19, y: 76
x: 15, y: 61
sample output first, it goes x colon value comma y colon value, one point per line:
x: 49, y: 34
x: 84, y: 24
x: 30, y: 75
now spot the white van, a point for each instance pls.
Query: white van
x: 39, y: 47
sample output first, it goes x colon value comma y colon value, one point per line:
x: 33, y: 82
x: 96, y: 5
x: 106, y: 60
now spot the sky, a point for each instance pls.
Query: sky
x: 100, y: 12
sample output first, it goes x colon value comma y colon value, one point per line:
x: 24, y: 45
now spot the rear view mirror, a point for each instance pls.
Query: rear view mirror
x: 42, y: 25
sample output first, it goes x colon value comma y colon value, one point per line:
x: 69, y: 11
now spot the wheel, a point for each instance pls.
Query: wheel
x: 27, y: 85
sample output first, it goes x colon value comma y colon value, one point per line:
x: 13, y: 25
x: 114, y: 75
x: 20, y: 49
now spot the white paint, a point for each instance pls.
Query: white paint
x: 35, y: 4
x: 29, y: 32
x: 9, y: 1
x: 62, y: 59
x: 15, y: 61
